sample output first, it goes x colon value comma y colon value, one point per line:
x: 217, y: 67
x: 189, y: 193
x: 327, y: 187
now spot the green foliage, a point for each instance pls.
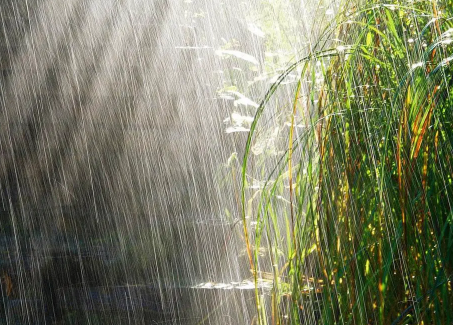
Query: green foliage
x: 357, y: 214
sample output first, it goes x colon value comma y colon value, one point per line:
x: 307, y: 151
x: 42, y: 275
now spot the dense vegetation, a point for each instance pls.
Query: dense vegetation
x: 355, y: 214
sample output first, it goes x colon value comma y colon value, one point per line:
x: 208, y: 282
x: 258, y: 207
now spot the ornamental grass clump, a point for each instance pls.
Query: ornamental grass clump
x: 356, y: 213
